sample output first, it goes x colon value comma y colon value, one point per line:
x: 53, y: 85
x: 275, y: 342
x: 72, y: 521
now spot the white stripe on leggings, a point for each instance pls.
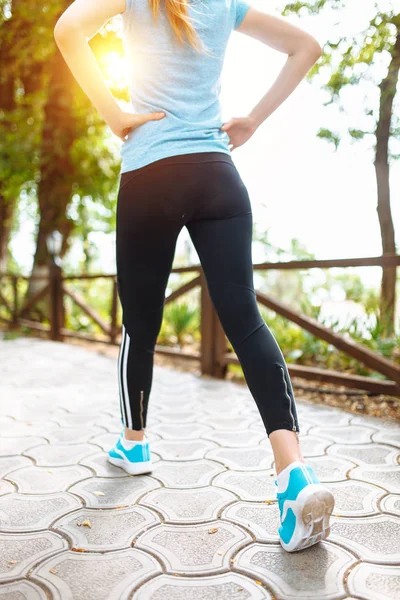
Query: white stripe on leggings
x: 125, y: 382
x: 121, y: 397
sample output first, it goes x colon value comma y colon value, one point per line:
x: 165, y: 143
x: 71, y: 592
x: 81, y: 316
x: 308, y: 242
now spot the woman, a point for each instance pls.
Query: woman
x: 177, y: 171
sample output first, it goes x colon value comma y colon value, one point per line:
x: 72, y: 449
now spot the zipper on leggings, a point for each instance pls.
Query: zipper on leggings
x: 141, y: 409
x: 290, y: 400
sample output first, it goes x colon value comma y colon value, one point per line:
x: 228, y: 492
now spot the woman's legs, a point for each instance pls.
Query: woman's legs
x: 222, y: 235
x: 145, y: 246
x: 212, y: 201
x: 206, y: 194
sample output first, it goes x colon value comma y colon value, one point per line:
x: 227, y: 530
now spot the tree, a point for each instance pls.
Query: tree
x: 53, y: 142
x: 351, y: 60
x: 68, y: 167
x: 19, y: 115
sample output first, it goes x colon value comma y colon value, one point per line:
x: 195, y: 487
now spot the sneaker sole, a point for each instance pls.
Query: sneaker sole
x: 131, y: 468
x: 314, y: 506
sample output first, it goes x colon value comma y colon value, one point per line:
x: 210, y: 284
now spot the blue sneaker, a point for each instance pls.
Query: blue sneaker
x: 135, y: 460
x: 305, y: 507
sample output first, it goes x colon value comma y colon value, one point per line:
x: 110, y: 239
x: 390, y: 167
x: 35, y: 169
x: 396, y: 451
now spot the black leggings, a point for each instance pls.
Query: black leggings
x: 204, y: 192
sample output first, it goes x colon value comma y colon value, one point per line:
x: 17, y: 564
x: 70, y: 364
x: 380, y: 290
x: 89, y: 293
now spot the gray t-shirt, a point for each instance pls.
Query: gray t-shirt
x: 185, y: 84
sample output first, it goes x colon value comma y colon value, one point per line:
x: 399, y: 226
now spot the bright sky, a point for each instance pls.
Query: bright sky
x: 298, y: 185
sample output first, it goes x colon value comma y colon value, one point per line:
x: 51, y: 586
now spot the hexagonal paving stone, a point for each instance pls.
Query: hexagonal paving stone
x: 22, y: 590
x: 248, y: 486
x: 17, y: 445
x: 330, y: 469
x: 10, y: 463
x: 262, y: 518
x: 391, y: 504
x: 177, y: 416
x: 110, y: 576
x: 366, y: 454
x: 388, y: 436
x: 312, y: 445
x: 109, y: 529
x: 231, y: 439
x: 227, y: 422
x: 375, y: 581
x: 188, y: 506
x: 355, y: 498
x: 214, y: 399
x: 305, y: 406
x: 5, y: 422
x: 321, y: 415
x: 28, y: 429
x: 257, y: 424
x: 368, y: 537
x: 231, y: 405
x: 152, y: 418
x: 182, y: 449
x: 166, y: 406
x: 210, y: 467
x: 25, y: 411
x: 151, y: 436
x: 347, y: 434
x: 43, y: 480
x: 377, y: 422
x: 58, y: 455
x: 6, y: 487
x: 265, y: 444
x: 250, y: 459
x: 111, y: 423
x: 313, y: 573
x: 73, y: 435
x: 111, y: 493
x: 227, y: 586
x: 200, y: 549
x: 26, y: 512
x: 386, y: 476
x: 99, y: 464
x: 190, y: 474
x: 73, y: 420
x: 306, y: 426
x: 20, y: 552
x: 178, y: 431
x: 104, y: 440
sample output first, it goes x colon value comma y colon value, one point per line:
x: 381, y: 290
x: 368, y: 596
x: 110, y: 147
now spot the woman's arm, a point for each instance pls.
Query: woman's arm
x: 76, y: 26
x: 303, y: 51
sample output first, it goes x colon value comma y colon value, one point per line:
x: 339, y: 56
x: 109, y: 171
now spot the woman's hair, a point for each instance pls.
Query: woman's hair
x: 177, y: 12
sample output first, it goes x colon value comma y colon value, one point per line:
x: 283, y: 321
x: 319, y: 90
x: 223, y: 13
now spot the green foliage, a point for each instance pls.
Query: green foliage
x: 28, y: 50
x: 183, y: 318
x: 301, y: 347
x: 312, y: 7
x: 11, y: 335
x: 357, y: 134
x: 97, y: 294
x: 7, y: 291
x: 347, y: 60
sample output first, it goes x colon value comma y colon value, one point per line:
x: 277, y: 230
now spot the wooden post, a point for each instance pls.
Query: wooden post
x: 57, y: 313
x: 213, y: 341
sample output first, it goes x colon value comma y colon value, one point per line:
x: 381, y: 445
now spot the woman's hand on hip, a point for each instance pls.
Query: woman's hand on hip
x: 239, y: 130
x: 127, y: 122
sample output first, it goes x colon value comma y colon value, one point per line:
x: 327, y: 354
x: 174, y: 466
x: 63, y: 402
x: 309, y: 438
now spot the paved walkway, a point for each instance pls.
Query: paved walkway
x: 203, y: 524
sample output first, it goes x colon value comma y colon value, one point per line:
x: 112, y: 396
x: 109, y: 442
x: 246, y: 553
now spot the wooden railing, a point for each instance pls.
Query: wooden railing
x: 213, y: 356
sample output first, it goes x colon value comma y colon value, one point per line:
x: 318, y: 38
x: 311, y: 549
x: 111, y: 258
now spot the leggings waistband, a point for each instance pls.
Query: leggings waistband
x: 188, y: 158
